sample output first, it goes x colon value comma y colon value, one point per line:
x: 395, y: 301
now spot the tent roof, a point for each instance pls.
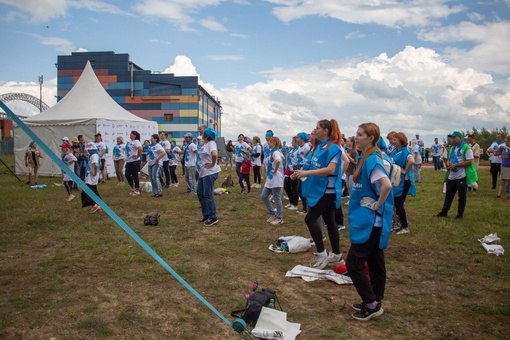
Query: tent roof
x: 86, y: 102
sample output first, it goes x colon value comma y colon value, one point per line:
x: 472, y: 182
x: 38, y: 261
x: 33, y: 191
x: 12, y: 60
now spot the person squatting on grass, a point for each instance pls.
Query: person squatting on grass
x: 207, y: 175
x: 91, y: 177
x: 273, y: 161
x: 133, y: 162
x: 461, y: 171
x: 321, y: 179
x: 370, y: 214
x: 69, y: 159
x: 155, y: 155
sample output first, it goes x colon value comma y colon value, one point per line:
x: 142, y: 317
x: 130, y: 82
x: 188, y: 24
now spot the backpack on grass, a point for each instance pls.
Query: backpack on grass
x: 254, y: 303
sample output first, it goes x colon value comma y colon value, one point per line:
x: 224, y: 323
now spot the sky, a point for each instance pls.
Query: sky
x: 417, y: 66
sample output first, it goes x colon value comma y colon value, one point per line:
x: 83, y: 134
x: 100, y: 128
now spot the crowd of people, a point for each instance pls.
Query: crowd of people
x: 318, y: 169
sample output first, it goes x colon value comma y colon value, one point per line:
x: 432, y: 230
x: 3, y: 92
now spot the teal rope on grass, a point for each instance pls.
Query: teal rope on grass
x: 110, y: 212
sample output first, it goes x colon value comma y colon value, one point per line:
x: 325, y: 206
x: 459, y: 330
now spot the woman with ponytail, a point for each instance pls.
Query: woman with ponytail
x: 323, y: 190
x: 370, y: 214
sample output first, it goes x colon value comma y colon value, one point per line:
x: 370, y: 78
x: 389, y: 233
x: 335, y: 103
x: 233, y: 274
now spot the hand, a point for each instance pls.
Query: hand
x: 370, y: 203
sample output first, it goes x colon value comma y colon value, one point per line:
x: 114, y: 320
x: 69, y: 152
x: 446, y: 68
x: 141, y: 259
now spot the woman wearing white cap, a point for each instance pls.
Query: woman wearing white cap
x: 91, y: 177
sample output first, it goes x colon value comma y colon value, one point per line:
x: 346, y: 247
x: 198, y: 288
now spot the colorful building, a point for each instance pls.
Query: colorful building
x: 178, y: 104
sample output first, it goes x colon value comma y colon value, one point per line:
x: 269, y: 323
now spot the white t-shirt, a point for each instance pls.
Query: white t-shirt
x: 205, y: 157
x: 302, y: 151
x: 257, y: 160
x: 437, y: 150
x: 100, y: 147
x: 92, y: 180
x: 166, y: 146
x: 132, y: 150
x: 69, y: 159
x: 277, y: 178
x: 190, y: 155
x: 492, y: 157
x: 175, y: 150
x: 459, y: 173
x: 417, y: 154
x: 240, y: 147
x: 119, y: 152
x: 156, y: 151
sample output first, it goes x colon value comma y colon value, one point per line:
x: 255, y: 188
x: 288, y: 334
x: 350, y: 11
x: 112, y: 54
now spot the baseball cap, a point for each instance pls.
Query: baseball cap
x: 65, y: 138
x: 171, y: 140
x: 66, y: 145
x: 188, y: 135
x: 91, y: 146
x: 455, y: 134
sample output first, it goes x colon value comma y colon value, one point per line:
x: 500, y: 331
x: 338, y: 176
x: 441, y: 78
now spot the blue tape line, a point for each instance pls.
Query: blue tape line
x: 109, y: 211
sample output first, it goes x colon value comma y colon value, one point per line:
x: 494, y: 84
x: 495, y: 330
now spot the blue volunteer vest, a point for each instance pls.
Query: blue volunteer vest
x: 361, y: 219
x: 399, y: 157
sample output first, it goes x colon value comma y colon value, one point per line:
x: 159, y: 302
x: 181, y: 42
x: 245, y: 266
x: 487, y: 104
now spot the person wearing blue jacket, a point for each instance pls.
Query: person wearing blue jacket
x: 370, y: 214
x: 323, y: 190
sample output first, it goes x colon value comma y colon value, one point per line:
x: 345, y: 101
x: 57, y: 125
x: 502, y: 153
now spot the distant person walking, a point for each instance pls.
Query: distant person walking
x: 32, y: 156
x: 495, y: 159
x: 91, y: 178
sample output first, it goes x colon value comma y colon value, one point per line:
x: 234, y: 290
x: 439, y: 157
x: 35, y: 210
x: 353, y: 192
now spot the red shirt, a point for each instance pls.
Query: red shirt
x: 246, y: 167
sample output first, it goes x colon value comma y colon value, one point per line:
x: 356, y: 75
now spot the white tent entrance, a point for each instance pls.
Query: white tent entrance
x: 86, y: 110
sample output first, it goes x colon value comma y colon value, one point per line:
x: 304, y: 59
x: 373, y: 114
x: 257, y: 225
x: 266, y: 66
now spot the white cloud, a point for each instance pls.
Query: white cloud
x: 474, y: 16
x: 382, y: 12
x: 159, y: 41
x: 355, y: 35
x: 176, y: 11
x: 490, y: 53
x: 61, y: 45
x: 45, y: 10
x: 49, y: 90
x: 212, y: 24
x: 181, y: 67
x: 413, y: 91
x: 243, y: 36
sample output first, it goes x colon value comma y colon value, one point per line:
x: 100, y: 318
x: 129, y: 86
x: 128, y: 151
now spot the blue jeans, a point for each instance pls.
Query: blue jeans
x: 154, y: 177
x: 277, y: 197
x: 437, y: 162
x: 191, y: 179
x: 205, y: 193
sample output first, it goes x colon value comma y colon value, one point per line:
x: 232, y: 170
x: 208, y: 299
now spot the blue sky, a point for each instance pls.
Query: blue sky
x: 427, y: 67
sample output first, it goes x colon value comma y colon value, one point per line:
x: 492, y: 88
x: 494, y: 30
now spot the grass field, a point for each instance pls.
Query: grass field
x: 67, y: 274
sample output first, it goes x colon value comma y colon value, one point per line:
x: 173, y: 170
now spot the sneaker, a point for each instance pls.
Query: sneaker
x: 340, y: 227
x: 357, y: 306
x: 292, y: 207
x: 441, y: 214
x: 277, y: 221
x: 96, y: 208
x: 301, y: 212
x: 271, y: 219
x: 28, y: 182
x: 203, y: 219
x: 70, y: 198
x: 211, y: 222
x: 366, y: 313
x: 321, y: 260
x: 335, y: 259
x: 459, y: 217
x: 166, y: 187
x: 403, y: 231
x: 287, y: 206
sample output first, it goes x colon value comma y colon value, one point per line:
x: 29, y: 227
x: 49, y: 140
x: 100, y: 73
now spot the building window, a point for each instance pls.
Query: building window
x: 169, y: 117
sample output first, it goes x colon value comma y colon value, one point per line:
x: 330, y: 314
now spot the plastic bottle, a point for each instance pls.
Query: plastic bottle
x: 284, y: 246
x: 271, y: 304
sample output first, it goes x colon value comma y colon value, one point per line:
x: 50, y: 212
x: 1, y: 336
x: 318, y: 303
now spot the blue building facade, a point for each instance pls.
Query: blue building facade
x: 178, y: 104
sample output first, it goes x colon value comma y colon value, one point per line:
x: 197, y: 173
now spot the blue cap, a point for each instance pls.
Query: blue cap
x: 381, y: 144
x: 303, y: 136
x: 210, y: 133
x: 269, y: 133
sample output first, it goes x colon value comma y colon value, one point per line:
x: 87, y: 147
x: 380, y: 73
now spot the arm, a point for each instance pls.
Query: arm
x: 329, y: 170
x: 410, y: 163
x: 93, y: 170
x: 138, y: 152
x: 214, y: 158
x: 460, y: 165
x: 385, y: 191
x: 345, y: 164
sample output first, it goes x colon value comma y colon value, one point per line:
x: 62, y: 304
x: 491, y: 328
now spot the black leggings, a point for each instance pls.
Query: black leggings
x: 399, y: 204
x: 291, y: 189
x: 256, y: 174
x: 495, y: 171
x: 173, y: 175
x: 166, y: 171
x: 325, y: 208
x: 131, y: 173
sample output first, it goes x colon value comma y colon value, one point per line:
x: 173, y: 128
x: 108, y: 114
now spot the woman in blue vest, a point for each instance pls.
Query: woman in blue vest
x: 370, y: 214
x: 323, y: 190
x: 402, y: 157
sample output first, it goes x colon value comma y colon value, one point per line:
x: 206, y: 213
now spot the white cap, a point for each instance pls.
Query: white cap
x: 91, y: 146
x: 65, y: 138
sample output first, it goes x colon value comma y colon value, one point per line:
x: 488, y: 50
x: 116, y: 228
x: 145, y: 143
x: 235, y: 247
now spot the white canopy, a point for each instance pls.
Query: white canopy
x: 85, y: 110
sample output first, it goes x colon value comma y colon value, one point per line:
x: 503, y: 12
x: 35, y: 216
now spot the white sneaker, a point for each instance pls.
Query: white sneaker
x: 271, y: 219
x: 277, y: 221
x: 285, y: 197
x: 335, y: 259
x: 321, y: 260
x: 287, y: 206
x: 70, y: 198
x: 340, y: 227
x: 292, y: 207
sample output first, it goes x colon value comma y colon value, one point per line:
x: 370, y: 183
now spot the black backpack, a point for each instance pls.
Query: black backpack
x: 151, y: 219
x: 254, y: 304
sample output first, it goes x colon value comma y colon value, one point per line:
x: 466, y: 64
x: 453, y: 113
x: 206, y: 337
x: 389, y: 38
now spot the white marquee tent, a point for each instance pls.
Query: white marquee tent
x: 85, y: 110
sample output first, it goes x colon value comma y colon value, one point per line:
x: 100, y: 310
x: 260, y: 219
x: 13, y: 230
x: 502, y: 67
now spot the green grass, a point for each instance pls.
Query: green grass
x: 67, y: 274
